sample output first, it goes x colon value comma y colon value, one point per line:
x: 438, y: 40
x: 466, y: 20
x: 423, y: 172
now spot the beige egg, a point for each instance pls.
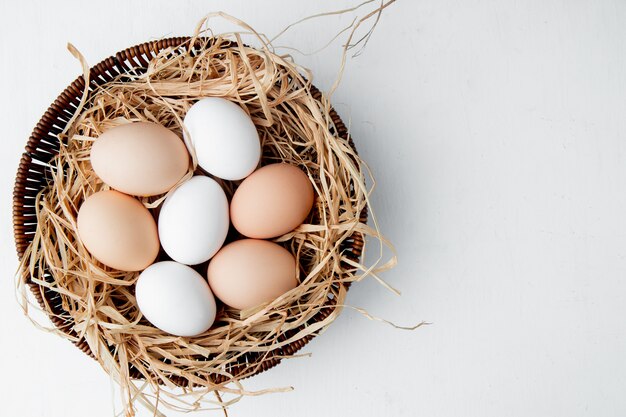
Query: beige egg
x: 140, y: 158
x: 250, y: 272
x: 272, y: 201
x: 118, y: 231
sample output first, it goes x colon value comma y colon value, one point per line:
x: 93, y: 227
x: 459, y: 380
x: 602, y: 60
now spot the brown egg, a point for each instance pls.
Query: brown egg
x: 140, y: 158
x: 118, y: 231
x: 272, y: 201
x: 249, y: 272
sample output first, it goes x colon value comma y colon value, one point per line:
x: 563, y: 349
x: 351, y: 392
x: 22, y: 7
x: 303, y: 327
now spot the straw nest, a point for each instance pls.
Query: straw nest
x: 296, y: 125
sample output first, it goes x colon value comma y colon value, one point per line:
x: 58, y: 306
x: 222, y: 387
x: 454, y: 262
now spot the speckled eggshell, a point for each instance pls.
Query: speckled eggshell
x: 118, y: 230
x: 141, y: 158
x: 272, y: 201
x: 250, y: 272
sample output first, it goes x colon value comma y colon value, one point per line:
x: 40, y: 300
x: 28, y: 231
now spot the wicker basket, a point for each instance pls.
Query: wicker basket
x: 33, y: 174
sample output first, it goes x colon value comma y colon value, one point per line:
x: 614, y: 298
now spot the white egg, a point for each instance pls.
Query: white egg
x: 193, y: 222
x: 175, y: 298
x: 225, y: 139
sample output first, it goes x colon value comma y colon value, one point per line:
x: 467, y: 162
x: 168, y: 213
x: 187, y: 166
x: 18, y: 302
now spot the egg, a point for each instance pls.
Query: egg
x: 193, y: 222
x: 225, y: 139
x: 250, y: 272
x: 118, y: 231
x: 272, y: 201
x: 175, y: 298
x: 141, y: 158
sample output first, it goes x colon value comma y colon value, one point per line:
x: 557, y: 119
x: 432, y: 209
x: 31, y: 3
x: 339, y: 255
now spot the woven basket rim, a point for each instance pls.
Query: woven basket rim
x: 43, y: 144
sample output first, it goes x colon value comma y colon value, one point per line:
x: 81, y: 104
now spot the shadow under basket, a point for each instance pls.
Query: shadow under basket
x: 33, y: 174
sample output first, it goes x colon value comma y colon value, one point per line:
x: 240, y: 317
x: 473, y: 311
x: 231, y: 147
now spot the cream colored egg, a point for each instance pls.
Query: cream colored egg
x: 141, y: 158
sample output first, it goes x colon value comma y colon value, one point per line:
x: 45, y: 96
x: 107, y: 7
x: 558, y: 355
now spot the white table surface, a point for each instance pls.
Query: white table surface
x: 496, y: 131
